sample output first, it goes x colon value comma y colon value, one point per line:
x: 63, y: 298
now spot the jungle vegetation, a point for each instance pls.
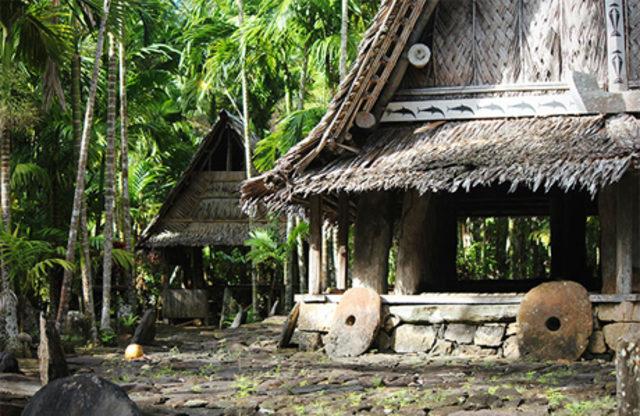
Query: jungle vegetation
x: 102, y: 104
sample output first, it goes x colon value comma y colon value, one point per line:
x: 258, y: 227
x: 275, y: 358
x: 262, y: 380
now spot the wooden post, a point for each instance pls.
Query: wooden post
x: 412, y: 244
x: 616, y: 47
x: 607, y: 216
x: 373, y: 229
x: 624, y: 234
x: 343, y: 242
x: 628, y: 376
x: 289, y: 270
x: 315, y: 245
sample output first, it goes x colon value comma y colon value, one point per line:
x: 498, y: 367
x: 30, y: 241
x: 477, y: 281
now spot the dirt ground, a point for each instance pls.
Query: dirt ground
x: 203, y: 371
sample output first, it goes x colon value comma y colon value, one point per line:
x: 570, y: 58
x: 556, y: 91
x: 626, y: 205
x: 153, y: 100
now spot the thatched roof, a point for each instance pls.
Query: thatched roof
x: 384, y: 41
x: 532, y: 45
x: 579, y: 152
x: 203, y: 208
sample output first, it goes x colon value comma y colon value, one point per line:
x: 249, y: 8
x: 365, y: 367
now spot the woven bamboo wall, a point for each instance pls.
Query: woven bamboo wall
x: 210, y: 196
x: 478, y: 42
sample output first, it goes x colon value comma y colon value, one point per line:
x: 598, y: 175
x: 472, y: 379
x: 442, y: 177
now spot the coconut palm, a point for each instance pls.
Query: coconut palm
x: 109, y: 188
x: 30, y: 37
x: 65, y: 292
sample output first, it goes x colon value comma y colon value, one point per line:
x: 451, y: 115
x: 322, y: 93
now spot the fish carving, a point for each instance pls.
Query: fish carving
x: 614, y: 18
x: 402, y: 111
x: 490, y: 107
x: 461, y: 108
x: 554, y: 104
x: 523, y: 106
x: 432, y: 110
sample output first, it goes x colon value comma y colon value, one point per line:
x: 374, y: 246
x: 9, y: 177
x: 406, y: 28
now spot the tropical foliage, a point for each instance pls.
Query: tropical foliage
x: 183, y: 66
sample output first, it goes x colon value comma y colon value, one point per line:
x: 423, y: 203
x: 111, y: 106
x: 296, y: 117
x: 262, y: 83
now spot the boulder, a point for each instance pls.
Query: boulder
x: 145, y: 332
x: 308, y: 341
x: 442, y: 348
x: 619, y: 312
x: 9, y: 363
x: 413, y: 338
x: 512, y: 329
x: 460, y: 333
x: 438, y: 314
x: 510, y: 348
x: 86, y: 395
x: 597, y: 344
x: 614, y: 332
x: 489, y: 335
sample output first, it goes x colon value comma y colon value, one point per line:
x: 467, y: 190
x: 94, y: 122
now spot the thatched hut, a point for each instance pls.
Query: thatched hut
x: 203, y: 210
x: 473, y: 109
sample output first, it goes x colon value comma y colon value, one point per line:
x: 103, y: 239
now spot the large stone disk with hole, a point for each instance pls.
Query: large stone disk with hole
x: 355, y: 323
x: 555, y: 321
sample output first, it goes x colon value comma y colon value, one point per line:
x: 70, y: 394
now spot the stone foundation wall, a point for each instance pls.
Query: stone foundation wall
x: 463, y: 330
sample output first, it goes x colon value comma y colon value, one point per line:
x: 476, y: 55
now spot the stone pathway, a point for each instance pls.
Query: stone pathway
x: 203, y: 371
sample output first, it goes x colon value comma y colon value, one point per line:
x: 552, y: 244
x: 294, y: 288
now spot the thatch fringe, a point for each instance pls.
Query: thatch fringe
x: 581, y: 152
x: 198, y: 234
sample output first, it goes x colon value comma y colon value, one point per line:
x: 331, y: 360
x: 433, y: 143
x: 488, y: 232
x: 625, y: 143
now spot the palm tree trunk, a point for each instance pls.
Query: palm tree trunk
x: 9, y: 299
x: 85, y: 271
x: 109, y: 192
x: 86, y: 275
x: 65, y: 293
x: 344, y: 39
x: 124, y: 166
x: 247, y: 138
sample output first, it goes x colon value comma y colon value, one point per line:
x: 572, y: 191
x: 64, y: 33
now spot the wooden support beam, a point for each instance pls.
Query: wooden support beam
x: 343, y: 242
x: 624, y: 234
x: 607, y: 216
x: 372, y: 235
x: 412, y: 244
x: 315, y: 245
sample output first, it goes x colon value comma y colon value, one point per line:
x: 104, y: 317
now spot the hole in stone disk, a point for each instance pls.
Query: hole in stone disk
x: 553, y: 324
x: 350, y: 320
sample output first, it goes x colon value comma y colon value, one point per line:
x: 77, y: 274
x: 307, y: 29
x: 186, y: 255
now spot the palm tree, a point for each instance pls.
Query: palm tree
x: 29, y: 37
x: 344, y: 38
x: 124, y: 165
x: 65, y: 293
x: 109, y: 188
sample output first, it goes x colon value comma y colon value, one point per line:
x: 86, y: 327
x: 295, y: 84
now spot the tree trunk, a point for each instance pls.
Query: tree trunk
x: 124, y: 167
x: 288, y: 270
x: 85, y: 271
x: 109, y: 194
x: 344, y: 39
x: 246, y: 134
x: 65, y: 292
x: 628, y: 376
x: 9, y: 298
x: 86, y: 275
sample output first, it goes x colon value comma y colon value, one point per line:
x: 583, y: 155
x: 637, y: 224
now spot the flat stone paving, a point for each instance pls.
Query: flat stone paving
x: 203, y: 371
